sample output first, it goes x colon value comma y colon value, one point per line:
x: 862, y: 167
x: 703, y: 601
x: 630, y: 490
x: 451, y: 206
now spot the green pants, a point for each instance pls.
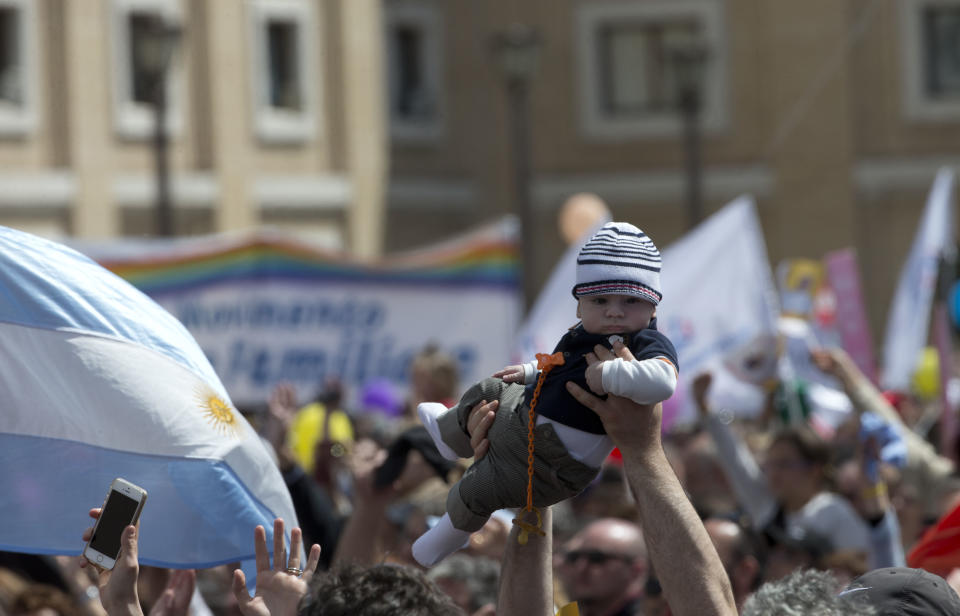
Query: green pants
x: 499, y: 479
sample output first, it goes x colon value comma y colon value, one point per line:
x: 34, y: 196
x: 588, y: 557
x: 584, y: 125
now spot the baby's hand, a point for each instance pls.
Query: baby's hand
x: 594, y: 376
x: 510, y: 374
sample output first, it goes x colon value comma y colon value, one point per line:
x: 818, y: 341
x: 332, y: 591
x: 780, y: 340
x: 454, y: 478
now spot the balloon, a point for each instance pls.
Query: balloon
x: 926, y: 375
x: 580, y: 214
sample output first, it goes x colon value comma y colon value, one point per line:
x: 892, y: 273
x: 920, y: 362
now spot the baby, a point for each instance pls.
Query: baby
x: 617, y: 291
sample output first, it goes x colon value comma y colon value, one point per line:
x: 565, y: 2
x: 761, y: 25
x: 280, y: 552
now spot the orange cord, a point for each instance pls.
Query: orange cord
x: 545, y: 363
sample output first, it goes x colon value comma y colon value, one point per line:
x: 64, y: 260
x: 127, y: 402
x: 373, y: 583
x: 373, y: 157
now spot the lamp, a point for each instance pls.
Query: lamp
x: 517, y: 50
x: 154, y: 49
x: 688, y: 61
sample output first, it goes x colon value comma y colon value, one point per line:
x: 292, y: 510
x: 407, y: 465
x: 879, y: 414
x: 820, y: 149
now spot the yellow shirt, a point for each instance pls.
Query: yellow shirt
x: 307, y: 430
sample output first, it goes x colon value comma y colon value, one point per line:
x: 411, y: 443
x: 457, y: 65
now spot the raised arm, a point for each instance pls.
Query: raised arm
x: 688, y: 567
x: 742, y: 471
x: 526, y: 573
x: 866, y: 397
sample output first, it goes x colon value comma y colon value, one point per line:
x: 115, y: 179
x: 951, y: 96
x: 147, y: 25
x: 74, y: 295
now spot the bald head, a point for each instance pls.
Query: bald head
x: 604, y: 566
x: 738, y: 553
x: 726, y: 536
x: 611, y: 535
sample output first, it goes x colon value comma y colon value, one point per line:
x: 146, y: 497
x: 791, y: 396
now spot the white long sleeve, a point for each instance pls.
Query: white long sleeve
x: 645, y: 381
x: 530, y: 372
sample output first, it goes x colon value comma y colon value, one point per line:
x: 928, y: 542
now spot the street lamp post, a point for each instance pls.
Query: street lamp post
x: 517, y: 49
x: 155, y: 51
x: 689, y: 62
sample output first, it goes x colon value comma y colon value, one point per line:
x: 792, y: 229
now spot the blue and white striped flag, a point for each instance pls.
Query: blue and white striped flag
x: 96, y: 382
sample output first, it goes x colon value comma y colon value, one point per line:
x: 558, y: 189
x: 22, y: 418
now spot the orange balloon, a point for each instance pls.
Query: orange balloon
x: 581, y: 213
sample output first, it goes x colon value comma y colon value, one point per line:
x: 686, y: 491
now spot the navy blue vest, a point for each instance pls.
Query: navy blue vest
x: 557, y: 403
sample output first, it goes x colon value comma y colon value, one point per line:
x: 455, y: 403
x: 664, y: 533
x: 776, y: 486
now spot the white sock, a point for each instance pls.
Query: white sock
x: 428, y: 412
x: 439, y: 542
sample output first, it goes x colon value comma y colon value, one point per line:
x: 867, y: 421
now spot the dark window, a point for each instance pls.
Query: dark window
x: 11, y: 64
x: 413, y: 99
x: 941, y: 36
x: 283, y: 62
x: 636, y: 73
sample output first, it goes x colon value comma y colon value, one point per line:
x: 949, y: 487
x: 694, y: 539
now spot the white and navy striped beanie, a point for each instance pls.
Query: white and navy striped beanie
x: 619, y: 260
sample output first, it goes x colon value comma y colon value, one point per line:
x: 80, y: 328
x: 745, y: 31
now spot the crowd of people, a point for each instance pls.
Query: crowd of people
x: 723, y: 516
x: 765, y: 514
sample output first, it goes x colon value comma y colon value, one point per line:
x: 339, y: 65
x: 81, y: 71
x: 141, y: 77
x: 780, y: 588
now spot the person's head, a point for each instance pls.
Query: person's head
x: 901, y: 591
x: 739, y: 550
x: 471, y: 581
x: 808, y: 592
x: 604, y: 564
x: 618, y: 280
x: 704, y: 479
x: 382, y: 590
x: 795, y: 465
x: 433, y: 375
x: 793, y: 548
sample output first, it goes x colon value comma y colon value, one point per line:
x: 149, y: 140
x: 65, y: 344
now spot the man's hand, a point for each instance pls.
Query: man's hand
x: 826, y: 360
x: 118, y: 587
x: 175, y: 600
x: 700, y: 389
x: 594, y: 374
x: 510, y: 374
x: 634, y: 428
x: 478, y: 424
x: 278, y: 591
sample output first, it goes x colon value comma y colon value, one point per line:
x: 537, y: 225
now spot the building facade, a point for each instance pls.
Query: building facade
x: 379, y: 125
x: 834, y: 115
x: 274, y: 117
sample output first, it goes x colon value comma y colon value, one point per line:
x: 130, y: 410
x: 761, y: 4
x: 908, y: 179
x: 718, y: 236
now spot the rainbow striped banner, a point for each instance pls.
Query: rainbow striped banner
x: 267, y: 308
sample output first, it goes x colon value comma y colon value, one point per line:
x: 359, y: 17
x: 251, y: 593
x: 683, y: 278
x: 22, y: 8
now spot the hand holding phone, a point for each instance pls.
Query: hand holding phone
x: 121, y: 508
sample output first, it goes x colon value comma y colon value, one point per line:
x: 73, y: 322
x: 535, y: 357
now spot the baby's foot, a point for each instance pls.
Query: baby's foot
x: 439, y: 542
x: 428, y: 412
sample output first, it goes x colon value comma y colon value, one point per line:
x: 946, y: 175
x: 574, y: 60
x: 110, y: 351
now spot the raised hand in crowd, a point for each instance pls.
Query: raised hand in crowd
x: 281, y: 410
x: 279, y: 588
x: 700, y: 388
x: 176, y: 597
x: 836, y: 363
x: 118, y: 587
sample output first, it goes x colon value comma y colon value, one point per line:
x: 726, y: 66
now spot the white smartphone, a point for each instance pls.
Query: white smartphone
x: 120, y: 509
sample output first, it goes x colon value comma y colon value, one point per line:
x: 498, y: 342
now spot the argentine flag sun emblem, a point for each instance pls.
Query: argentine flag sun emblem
x: 219, y: 413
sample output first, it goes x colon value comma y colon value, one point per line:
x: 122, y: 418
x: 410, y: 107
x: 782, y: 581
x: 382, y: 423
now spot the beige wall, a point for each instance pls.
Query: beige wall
x: 814, y: 116
x: 221, y: 169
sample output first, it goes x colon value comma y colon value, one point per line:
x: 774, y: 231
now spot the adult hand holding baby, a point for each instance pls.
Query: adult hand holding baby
x: 595, y: 361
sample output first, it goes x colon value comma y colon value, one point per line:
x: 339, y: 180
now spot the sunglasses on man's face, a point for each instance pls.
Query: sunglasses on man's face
x: 594, y: 557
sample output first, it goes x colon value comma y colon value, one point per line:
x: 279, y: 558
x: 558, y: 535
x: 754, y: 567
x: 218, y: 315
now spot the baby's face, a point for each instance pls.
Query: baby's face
x: 614, y: 314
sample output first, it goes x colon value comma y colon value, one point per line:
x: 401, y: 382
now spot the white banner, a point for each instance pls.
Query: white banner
x: 719, y: 302
x: 257, y: 335
x: 909, y: 320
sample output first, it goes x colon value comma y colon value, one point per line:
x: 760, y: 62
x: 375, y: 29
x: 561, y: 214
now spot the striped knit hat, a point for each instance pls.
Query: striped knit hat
x: 619, y: 260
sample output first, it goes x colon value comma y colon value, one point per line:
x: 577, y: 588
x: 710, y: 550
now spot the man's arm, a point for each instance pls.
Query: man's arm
x: 688, y: 567
x: 526, y: 573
